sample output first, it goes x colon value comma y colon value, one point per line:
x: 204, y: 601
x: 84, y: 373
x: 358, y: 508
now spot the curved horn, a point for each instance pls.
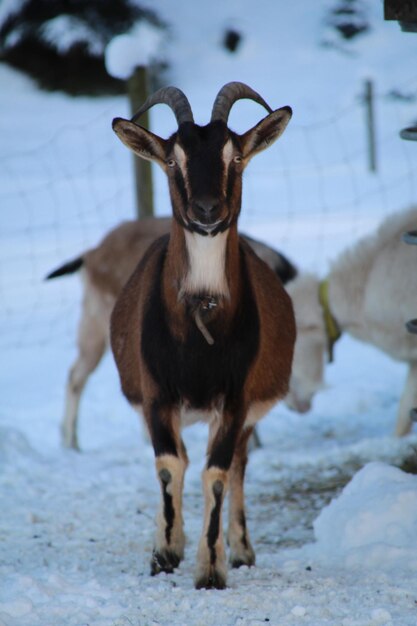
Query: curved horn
x: 228, y: 95
x: 174, y: 98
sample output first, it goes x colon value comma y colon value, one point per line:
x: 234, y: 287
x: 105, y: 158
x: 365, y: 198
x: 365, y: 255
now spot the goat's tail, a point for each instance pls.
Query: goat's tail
x: 285, y: 269
x: 67, y: 268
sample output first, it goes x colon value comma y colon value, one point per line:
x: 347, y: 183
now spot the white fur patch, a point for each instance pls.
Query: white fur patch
x: 207, y: 264
x: 181, y: 158
x: 257, y: 410
x: 228, y: 152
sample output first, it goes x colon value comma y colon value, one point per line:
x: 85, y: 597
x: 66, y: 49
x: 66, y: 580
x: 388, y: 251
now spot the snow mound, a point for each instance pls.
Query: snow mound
x: 373, y: 523
x: 137, y: 48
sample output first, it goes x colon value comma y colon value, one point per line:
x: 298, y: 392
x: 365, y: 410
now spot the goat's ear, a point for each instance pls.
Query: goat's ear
x: 141, y: 141
x: 265, y: 132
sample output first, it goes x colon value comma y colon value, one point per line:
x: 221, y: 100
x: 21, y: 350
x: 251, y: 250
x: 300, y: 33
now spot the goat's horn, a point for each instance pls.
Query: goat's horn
x: 228, y: 95
x: 174, y: 98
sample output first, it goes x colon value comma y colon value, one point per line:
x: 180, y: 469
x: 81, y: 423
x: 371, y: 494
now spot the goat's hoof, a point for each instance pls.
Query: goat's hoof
x: 242, y: 555
x: 164, y: 561
x: 69, y: 439
x: 213, y: 580
x: 237, y: 562
x: 71, y: 444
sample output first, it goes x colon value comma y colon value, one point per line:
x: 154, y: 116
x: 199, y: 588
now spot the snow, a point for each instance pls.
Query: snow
x: 8, y: 8
x: 138, y: 48
x: 61, y: 32
x: 372, y: 523
x: 331, y: 516
x: 65, y: 31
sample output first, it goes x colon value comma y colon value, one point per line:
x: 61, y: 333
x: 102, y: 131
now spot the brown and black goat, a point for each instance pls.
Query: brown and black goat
x: 203, y: 326
x: 105, y: 270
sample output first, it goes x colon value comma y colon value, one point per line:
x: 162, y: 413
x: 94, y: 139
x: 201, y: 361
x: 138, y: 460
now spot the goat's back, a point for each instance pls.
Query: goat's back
x: 110, y: 264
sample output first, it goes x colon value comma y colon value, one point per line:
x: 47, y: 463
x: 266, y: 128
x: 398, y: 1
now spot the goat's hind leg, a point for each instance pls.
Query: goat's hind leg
x: 171, y: 462
x: 92, y: 343
x: 241, y: 551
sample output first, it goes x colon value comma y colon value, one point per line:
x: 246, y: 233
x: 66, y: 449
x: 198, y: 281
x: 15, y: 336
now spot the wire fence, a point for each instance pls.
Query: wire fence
x: 63, y: 196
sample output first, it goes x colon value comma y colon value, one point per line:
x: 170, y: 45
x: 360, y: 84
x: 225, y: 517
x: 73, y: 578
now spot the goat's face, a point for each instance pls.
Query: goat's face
x: 204, y: 171
x: 204, y: 164
x: 307, y: 369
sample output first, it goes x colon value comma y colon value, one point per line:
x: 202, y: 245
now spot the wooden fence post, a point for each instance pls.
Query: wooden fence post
x: 137, y: 86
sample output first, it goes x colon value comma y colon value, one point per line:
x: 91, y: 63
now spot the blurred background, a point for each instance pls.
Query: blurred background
x: 67, y: 67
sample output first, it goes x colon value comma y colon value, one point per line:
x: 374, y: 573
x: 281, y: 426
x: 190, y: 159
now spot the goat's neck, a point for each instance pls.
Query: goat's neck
x: 346, y: 297
x: 203, y: 265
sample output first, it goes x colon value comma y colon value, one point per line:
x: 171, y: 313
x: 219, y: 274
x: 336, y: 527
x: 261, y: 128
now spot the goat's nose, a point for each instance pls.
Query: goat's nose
x: 206, y: 209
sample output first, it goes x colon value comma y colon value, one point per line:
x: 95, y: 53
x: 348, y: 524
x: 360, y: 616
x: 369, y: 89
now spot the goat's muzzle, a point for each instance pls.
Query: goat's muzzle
x: 207, y: 216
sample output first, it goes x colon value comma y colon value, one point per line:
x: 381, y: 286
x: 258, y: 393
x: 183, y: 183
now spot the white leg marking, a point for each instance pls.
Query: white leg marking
x: 241, y: 551
x: 257, y: 410
x: 169, y: 536
x: 211, y: 571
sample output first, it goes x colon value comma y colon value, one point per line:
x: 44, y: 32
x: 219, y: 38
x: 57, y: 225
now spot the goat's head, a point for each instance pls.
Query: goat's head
x: 204, y: 164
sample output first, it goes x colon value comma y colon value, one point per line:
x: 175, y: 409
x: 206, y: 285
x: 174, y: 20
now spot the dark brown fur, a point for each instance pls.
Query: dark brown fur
x: 270, y: 370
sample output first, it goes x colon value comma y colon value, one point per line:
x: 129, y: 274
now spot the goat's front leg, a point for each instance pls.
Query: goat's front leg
x: 211, y: 558
x: 241, y: 551
x: 171, y: 462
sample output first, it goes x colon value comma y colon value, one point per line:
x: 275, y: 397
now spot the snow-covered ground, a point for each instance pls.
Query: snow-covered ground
x: 76, y: 529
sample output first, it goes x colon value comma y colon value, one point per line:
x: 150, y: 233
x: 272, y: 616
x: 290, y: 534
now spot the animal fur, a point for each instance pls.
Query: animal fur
x: 372, y: 294
x: 203, y: 325
x: 105, y: 269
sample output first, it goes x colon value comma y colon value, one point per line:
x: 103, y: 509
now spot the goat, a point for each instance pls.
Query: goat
x: 370, y: 293
x: 203, y: 327
x: 105, y: 270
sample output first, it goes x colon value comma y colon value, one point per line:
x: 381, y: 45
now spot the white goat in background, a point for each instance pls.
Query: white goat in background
x: 370, y: 293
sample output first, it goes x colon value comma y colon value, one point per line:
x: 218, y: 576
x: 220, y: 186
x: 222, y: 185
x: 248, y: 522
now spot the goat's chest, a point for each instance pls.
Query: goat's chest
x: 192, y: 371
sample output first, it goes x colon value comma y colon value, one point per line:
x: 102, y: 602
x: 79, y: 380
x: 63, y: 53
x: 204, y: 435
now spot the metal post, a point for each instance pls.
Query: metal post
x: 370, y: 125
x: 138, y: 92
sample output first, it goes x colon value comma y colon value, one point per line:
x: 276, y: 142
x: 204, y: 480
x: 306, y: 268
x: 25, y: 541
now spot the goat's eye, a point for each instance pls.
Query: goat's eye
x: 237, y: 159
x: 171, y: 163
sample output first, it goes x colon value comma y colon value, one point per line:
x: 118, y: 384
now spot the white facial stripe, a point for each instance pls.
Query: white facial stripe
x: 207, y: 264
x: 181, y: 158
x: 228, y: 152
